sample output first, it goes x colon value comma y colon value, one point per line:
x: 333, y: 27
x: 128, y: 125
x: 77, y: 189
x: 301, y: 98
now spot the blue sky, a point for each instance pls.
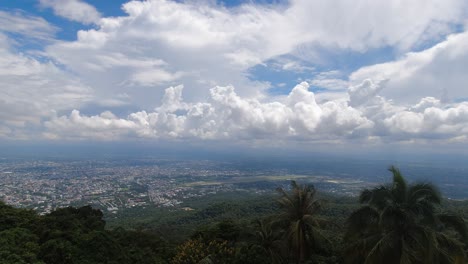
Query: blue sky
x: 254, y: 72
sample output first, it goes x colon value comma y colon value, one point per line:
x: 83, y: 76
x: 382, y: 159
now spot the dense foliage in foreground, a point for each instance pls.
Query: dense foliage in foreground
x: 394, y: 223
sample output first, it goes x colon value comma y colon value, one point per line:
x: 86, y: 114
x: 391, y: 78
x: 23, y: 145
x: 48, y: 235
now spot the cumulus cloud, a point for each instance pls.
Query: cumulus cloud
x: 227, y: 116
x: 425, y: 103
x: 363, y: 92
x: 75, y: 10
x: 450, y: 122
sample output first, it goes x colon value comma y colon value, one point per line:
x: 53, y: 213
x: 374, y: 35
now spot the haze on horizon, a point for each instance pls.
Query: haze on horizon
x: 299, y: 74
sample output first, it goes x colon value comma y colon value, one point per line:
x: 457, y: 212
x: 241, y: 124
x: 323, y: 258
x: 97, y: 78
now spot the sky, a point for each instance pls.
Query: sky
x: 263, y: 73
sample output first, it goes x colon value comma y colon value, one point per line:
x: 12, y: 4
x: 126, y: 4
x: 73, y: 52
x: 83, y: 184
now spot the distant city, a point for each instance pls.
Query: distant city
x: 114, y: 185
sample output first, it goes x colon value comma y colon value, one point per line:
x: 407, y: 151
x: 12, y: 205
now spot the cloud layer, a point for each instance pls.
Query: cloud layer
x: 111, y: 83
x: 162, y: 43
x: 227, y: 116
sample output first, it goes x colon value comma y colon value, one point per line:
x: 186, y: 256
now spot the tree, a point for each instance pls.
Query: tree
x: 398, y: 223
x: 18, y: 245
x: 195, y: 251
x: 270, y: 241
x: 11, y: 217
x: 298, y: 218
x: 56, y: 251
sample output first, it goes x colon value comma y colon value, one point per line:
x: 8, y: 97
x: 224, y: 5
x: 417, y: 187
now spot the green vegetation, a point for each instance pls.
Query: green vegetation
x: 299, y: 222
x: 395, y: 223
x: 73, y: 235
x: 399, y: 224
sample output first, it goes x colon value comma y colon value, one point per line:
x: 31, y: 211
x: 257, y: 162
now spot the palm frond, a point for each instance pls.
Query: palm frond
x: 365, y: 196
x: 363, y: 220
x: 387, y: 248
x: 399, y: 186
x: 381, y: 197
x: 449, y: 249
x: 299, y: 207
x: 399, y: 224
x: 423, y: 211
x: 394, y: 218
x: 424, y: 192
x: 455, y: 222
x: 319, y: 240
x: 357, y: 250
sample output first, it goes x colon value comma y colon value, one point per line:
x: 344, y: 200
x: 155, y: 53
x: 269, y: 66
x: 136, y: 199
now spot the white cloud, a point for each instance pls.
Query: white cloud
x: 31, y: 90
x: 225, y: 116
x: 129, y: 61
x: 202, y: 43
x: 425, y: 103
x: 296, y: 66
x: 30, y: 27
x: 363, y: 92
x: 450, y: 122
x: 331, y: 80
x: 75, y: 10
x: 155, y: 77
x: 439, y: 72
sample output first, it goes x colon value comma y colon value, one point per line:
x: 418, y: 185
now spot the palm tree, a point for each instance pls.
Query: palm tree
x: 298, y: 218
x: 399, y: 224
x: 270, y: 241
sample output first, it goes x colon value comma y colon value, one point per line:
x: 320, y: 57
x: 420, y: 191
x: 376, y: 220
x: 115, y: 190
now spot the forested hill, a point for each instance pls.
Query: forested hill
x: 73, y: 235
x: 394, y: 223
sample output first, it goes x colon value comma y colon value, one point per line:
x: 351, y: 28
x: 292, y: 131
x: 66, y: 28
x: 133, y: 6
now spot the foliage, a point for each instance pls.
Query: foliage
x: 198, y: 251
x: 299, y: 220
x: 18, y: 245
x: 396, y: 223
x: 271, y: 241
x: 73, y: 235
x: 399, y: 224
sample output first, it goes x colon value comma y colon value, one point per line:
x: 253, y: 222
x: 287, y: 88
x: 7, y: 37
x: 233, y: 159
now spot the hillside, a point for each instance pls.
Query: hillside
x: 223, y: 228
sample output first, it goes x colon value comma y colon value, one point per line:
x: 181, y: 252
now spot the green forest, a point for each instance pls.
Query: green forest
x: 398, y: 222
